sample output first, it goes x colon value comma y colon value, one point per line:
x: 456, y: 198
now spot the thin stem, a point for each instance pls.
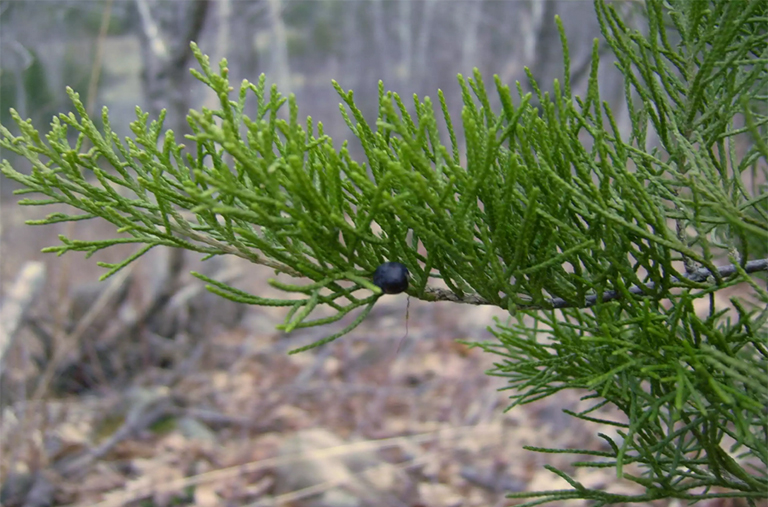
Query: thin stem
x: 699, y: 275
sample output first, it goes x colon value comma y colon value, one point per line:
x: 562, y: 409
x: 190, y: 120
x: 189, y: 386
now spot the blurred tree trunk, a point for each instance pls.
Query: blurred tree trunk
x: 166, y: 31
x: 469, y: 17
x: 281, y: 73
x: 406, y: 41
x: 22, y: 60
x: 422, y: 49
x: 380, y: 39
x: 240, y: 24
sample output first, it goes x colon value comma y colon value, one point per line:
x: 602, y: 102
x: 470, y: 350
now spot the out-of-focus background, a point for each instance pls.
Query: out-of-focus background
x: 146, y: 390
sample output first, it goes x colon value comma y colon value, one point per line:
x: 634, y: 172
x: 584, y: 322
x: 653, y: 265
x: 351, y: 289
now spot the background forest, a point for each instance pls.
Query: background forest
x: 413, y: 46
x: 146, y: 390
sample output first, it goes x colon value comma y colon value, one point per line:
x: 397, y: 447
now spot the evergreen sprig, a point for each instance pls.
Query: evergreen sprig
x: 608, y: 246
x: 692, y: 387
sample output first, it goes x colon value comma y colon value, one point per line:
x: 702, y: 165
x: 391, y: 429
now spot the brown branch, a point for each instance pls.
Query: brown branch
x: 699, y: 275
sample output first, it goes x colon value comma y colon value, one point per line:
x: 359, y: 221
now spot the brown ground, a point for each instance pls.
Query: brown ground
x: 212, y: 411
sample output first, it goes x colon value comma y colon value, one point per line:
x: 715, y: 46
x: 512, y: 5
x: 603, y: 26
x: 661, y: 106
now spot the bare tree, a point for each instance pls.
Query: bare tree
x: 281, y: 73
x: 166, y: 30
x: 468, y: 17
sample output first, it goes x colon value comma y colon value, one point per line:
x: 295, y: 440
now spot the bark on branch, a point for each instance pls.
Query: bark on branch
x: 699, y: 275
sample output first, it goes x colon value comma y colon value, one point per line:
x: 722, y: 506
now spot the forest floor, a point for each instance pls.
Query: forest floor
x: 123, y: 393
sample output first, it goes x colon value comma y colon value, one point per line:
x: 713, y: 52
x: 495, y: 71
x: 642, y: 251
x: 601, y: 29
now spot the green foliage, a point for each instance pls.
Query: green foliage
x: 692, y: 385
x: 605, y: 252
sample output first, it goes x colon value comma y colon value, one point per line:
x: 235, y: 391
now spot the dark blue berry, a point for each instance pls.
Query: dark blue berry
x: 391, y: 277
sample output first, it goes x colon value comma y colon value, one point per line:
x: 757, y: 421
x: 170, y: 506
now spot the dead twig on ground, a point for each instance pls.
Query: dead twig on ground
x: 16, y: 303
